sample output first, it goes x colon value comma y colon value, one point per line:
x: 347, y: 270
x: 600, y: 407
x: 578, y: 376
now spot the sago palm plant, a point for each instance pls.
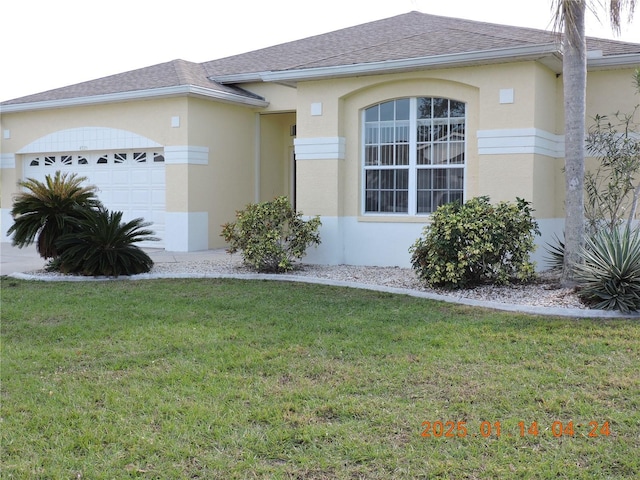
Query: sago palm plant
x: 610, y: 272
x: 45, y: 210
x: 104, y: 245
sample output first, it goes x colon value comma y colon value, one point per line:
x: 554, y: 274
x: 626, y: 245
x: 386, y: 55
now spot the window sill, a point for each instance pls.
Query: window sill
x: 395, y: 218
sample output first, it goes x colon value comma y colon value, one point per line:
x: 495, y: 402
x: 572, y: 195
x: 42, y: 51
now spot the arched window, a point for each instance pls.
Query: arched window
x: 414, y: 155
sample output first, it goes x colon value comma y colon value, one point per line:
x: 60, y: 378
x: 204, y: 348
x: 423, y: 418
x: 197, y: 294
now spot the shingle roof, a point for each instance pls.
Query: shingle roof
x: 411, y: 35
x: 169, y: 74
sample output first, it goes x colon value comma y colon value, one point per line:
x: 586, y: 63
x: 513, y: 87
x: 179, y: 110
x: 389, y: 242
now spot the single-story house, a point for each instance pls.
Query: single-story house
x: 370, y: 127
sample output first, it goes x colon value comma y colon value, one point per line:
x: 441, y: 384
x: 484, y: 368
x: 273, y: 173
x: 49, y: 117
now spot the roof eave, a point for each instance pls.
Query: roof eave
x: 614, y: 61
x: 548, y: 51
x: 188, y: 90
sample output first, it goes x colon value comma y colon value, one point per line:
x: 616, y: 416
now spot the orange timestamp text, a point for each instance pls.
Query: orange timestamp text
x: 451, y: 429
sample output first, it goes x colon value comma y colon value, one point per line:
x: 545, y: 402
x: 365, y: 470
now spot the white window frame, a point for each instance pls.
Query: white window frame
x: 413, y: 167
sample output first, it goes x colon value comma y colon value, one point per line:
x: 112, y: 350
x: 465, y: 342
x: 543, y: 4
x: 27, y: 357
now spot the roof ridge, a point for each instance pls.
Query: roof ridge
x: 184, y: 69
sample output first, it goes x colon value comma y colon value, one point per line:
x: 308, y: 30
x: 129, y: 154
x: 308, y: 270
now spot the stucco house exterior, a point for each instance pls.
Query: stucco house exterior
x: 370, y: 127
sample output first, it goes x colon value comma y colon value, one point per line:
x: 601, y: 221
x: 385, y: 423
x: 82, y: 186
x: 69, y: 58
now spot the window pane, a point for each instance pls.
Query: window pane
x: 457, y: 108
x: 402, y: 155
x: 439, y: 198
x: 387, y: 111
x: 371, y: 133
x: 372, y: 179
x: 372, y: 202
x: 440, y: 131
x: 424, y: 154
x: 402, y: 109
x: 387, y: 179
x: 424, y: 202
x: 455, y: 197
x: 456, y: 153
x: 402, y: 201
x: 371, y: 114
x: 440, y: 108
x: 456, y: 179
x: 386, y: 155
x: 440, y: 178
x: 457, y: 130
x: 402, y: 179
x: 387, y: 132
x: 386, y: 201
x: 424, y: 108
x: 424, y: 131
x: 424, y: 179
x: 371, y: 155
x: 439, y: 153
x: 402, y: 132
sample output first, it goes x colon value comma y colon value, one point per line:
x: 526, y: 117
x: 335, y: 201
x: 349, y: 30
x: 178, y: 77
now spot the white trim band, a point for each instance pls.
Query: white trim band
x: 186, y: 155
x: 520, y: 140
x: 7, y: 160
x: 320, y: 148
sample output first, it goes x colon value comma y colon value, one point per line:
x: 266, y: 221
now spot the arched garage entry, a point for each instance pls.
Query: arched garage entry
x: 128, y: 169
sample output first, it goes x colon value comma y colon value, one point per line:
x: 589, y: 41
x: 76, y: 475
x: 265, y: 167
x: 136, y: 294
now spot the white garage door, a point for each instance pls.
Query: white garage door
x: 130, y: 181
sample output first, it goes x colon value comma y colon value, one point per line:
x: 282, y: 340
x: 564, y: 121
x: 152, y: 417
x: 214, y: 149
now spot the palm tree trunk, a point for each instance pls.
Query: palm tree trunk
x: 575, y: 91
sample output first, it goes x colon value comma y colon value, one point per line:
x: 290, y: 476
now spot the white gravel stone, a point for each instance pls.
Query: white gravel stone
x: 546, y: 292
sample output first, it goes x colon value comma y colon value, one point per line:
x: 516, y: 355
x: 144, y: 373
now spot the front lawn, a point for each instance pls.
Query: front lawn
x: 253, y: 379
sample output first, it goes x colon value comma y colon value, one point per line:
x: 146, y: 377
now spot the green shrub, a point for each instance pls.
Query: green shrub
x: 104, y: 245
x: 271, y: 235
x: 477, y: 242
x: 46, y: 210
x: 610, y: 273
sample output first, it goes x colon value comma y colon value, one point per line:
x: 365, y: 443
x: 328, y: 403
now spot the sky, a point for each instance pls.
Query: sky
x: 46, y: 44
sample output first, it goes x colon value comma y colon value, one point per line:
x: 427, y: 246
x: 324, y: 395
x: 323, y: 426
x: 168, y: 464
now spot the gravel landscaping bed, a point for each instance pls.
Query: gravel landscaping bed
x: 546, y: 292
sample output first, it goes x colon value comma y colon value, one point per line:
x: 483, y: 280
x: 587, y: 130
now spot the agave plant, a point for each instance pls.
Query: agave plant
x: 104, y: 245
x: 555, y: 252
x: 610, y: 273
x: 45, y: 211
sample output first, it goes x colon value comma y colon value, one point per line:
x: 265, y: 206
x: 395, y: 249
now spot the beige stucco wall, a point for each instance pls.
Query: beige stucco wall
x: 502, y: 177
x: 219, y: 188
x: 150, y: 119
x: 276, y: 155
x: 281, y: 98
x: 608, y: 92
x: 538, y: 104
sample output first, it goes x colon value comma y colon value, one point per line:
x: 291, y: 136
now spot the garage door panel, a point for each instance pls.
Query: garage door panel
x: 135, y: 189
x: 120, y: 177
x: 140, y: 178
x: 157, y: 176
x: 140, y: 197
x: 100, y: 178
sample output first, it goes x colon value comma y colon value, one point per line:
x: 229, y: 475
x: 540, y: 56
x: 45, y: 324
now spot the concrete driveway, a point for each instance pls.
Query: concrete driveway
x: 14, y: 259
x: 21, y: 260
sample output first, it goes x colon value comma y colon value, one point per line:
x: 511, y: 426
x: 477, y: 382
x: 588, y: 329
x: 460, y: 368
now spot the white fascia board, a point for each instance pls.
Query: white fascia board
x: 136, y: 95
x: 390, y: 66
x: 613, y: 61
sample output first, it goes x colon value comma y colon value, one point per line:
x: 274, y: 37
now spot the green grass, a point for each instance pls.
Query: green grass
x: 230, y: 379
